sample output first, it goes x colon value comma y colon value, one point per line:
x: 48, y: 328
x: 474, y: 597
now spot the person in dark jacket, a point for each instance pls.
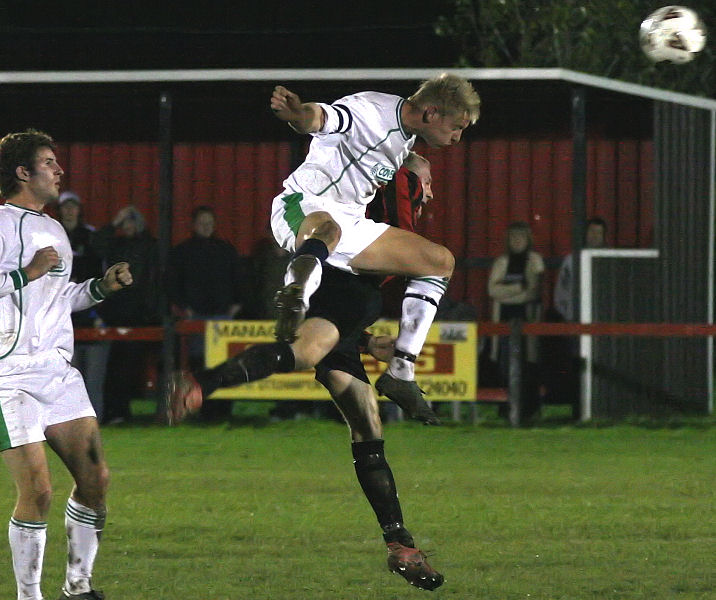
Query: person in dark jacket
x: 90, y: 358
x: 207, y: 279
x: 138, y: 306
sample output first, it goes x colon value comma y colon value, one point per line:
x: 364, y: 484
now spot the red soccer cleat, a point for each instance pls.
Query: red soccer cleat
x: 410, y: 563
x: 183, y: 396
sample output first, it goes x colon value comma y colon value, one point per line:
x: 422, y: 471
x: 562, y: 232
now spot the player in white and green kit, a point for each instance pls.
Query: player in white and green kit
x: 42, y: 397
x: 360, y: 141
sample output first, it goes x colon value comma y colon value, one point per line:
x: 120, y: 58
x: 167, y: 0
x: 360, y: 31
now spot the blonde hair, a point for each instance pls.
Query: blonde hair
x: 452, y: 95
x: 414, y: 161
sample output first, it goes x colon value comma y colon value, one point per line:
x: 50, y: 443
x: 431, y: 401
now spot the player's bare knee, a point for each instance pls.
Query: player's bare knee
x: 307, y: 356
x: 100, y: 484
x: 437, y: 261
x: 40, y: 498
x: 103, y: 478
x: 445, y: 262
x: 91, y: 488
x: 35, y: 490
x: 319, y: 225
x: 329, y: 232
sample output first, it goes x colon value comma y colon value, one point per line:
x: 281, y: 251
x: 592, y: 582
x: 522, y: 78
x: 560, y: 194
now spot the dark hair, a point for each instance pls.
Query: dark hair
x: 597, y: 221
x: 19, y: 150
x: 521, y: 226
x: 202, y: 209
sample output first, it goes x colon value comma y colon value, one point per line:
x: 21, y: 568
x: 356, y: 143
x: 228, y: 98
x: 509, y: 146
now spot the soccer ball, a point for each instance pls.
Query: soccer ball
x: 672, y: 33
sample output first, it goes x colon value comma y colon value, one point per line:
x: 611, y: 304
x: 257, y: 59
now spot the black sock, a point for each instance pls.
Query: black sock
x: 254, y: 363
x: 376, y: 479
x: 314, y: 247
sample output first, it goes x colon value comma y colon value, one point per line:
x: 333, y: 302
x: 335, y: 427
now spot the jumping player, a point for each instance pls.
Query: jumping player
x: 331, y: 339
x: 360, y: 141
x: 42, y: 397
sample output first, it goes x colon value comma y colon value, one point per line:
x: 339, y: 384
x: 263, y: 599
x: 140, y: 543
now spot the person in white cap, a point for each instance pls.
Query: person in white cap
x: 90, y: 358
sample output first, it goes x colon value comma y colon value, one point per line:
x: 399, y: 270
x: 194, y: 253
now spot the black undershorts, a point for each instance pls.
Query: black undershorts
x: 352, y: 303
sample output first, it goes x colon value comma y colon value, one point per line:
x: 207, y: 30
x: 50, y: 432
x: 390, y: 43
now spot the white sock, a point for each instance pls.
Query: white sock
x: 84, y: 530
x: 420, y: 304
x: 27, y: 544
x: 306, y: 270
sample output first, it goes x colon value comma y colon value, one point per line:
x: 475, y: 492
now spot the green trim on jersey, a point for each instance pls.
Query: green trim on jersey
x: 4, y: 434
x: 406, y: 136
x: 30, y: 210
x: 355, y: 160
x: 293, y: 213
x: 19, y: 291
x: 19, y: 278
x: 95, y: 291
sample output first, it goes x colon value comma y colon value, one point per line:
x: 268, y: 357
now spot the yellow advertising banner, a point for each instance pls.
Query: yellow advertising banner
x: 446, y: 368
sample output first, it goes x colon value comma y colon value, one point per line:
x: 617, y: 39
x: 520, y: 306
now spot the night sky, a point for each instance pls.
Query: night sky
x: 269, y: 34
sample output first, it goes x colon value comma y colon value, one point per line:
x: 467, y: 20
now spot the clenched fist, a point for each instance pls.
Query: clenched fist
x: 117, y: 277
x: 285, y: 104
x: 302, y: 117
x: 41, y: 263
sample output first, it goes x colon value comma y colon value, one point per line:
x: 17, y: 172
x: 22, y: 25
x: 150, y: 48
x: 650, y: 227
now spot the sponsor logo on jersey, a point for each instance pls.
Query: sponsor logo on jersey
x: 382, y: 173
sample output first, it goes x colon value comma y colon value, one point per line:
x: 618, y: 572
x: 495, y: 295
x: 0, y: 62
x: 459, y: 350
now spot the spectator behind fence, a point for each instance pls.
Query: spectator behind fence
x: 595, y: 236
x: 126, y: 237
x: 206, y: 279
x: 515, y: 287
x: 562, y: 362
x: 90, y: 358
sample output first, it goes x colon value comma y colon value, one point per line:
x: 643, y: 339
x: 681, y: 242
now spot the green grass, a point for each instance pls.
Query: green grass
x: 265, y: 510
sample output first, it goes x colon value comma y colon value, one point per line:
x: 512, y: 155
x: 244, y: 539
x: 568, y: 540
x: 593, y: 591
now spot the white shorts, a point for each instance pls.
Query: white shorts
x: 357, y: 232
x: 36, y: 392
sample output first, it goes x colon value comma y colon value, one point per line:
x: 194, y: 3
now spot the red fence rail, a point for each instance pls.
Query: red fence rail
x: 155, y: 334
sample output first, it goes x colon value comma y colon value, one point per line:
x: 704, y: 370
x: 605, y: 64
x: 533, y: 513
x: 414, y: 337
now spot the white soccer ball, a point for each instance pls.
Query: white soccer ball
x: 672, y: 33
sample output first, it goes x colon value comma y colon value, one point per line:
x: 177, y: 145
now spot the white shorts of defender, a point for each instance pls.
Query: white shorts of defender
x: 36, y: 392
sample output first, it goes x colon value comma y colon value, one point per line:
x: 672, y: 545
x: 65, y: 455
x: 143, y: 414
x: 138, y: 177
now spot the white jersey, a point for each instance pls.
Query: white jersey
x: 362, y: 144
x: 35, y: 316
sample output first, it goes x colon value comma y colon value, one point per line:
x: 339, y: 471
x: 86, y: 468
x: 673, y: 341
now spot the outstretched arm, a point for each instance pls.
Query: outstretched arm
x: 302, y: 117
x: 94, y: 290
x: 118, y: 276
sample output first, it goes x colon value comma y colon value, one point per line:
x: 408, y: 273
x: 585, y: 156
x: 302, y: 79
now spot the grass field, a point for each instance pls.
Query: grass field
x: 264, y: 510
